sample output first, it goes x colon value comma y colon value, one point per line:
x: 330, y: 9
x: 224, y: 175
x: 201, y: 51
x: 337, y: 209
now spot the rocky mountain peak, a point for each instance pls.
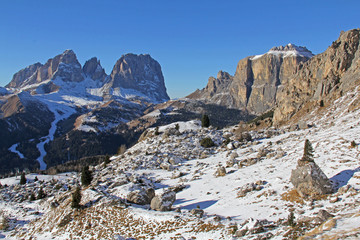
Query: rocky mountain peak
x: 255, y: 82
x: 223, y: 75
x: 324, y: 77
x: 20, y: 77
x: 290, y: 50
x: 65, y: 66
x: 69, y: 57
x: 93, y: 69
x: 139, y: 73
x: 68, y: 67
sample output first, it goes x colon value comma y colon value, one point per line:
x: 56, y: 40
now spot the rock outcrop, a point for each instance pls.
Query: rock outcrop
x: 65, y: 66
x: 93, y: 69
x: 138, y: 75
x: 309, y: 180
x: 325, y: 77
x: 255, y: 83
x: 163, y: 201
x: 142, y: 196
x: 133, y: 77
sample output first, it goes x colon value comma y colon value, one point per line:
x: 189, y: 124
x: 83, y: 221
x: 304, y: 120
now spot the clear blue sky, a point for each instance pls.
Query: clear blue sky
x: 192, y: 40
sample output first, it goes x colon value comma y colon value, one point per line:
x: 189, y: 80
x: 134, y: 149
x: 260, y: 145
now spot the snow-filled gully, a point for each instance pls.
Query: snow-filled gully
x: 66, y: 112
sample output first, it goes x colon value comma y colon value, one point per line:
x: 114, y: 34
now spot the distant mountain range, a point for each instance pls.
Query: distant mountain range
x: 59, y: 111
x: 256, y: 81
x: 44, y: 105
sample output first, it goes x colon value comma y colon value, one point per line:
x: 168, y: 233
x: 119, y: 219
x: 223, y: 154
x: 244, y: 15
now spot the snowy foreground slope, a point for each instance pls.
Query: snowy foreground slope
x: 251, y: 201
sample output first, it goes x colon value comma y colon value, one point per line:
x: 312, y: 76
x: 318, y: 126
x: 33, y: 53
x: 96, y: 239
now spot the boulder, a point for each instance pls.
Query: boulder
x: 303, y: 125
x: 172, y: 131
x: 163, y: 201
x: 233, y: 155
x: 249, y: 187
x: 309, y: 180
x: 141, y: 196
x: 197, y: 212
x: 166, y: 166
x: 262, y: 152
x: 220, y: 172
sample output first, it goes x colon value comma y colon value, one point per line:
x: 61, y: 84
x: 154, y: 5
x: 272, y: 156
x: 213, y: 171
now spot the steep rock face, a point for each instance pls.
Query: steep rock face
x: 27, y: 73
x: 92, y: 68
x: 216, y: 89
x: 325, y: 77
x: 139, y: 73
x: 66, y: 66
x: 256, y: 80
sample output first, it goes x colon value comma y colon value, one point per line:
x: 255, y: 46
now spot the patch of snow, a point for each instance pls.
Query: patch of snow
x: 86, y: 128
x: 13, y: 149
x: 155, y: 113
x: 183, y: 126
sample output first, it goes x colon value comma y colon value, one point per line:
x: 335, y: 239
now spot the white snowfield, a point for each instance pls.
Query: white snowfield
x: 168, y: 160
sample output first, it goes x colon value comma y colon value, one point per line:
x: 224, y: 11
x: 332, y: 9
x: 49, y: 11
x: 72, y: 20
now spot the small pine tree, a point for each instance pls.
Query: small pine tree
x: 41, y: 194
x: 106, y: 160
x: 36, y: 179
x: 4, y: 221
x: 177, y: 127
x: 76, y: 198
x: 353, y: 144
x: 157, y: 131
x: 32, y: 197
x: 205, y: 121
x: 207, y: 142
x: 321, y: 103
x: 291, y: 220
x: 308, y: 152
x: 86, y: 176
x: 22, y: 179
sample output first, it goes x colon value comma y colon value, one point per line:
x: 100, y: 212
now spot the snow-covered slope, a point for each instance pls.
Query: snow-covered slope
x: 253, y: 199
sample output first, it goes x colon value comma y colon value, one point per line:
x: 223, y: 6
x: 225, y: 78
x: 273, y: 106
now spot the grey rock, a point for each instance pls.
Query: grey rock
x: 241, y: 232
x: 245, y: 137
x: 233, y: 155
x: 324, y: 215
x: 92, y: 68
x: 163, y: 201
x: 303, y: 125
x: 166, y: 166
x: 309, y: 180
x: 220, y: 171
x: 197, y: 212
x: 172, y: 131
x: 262, y: 152
x: 140, y: 73
x: 141, y: 197
x: 249, y: 187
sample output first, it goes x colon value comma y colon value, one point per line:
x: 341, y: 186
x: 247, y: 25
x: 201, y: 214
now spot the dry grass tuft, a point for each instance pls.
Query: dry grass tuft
x: 292, y: 196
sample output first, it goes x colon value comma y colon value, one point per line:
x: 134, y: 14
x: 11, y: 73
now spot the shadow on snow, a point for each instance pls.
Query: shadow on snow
x: 343, y: 177
x: 202, y: 204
